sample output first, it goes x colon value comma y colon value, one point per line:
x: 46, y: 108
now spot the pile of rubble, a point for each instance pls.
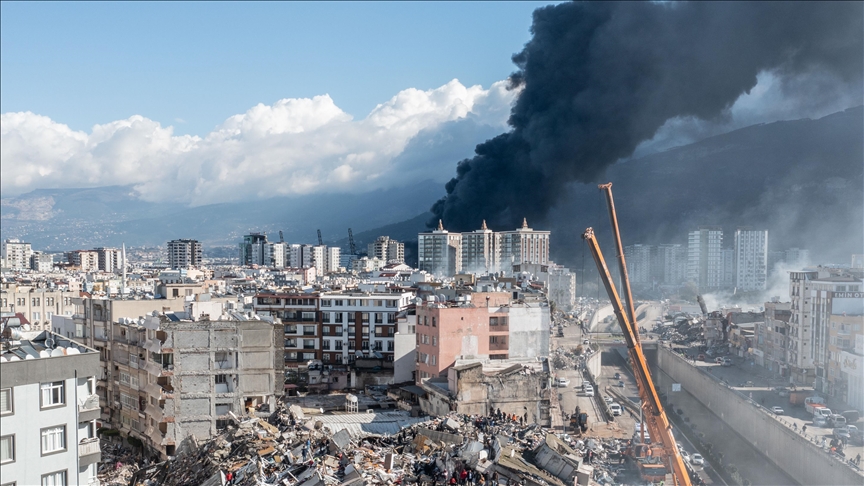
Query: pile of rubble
x: 291, y: 448
x: 563, y: 358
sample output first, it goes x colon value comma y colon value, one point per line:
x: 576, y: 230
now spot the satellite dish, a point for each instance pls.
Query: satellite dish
x: 57, y: 352
x: 70, y: 351
x: 44, y: 353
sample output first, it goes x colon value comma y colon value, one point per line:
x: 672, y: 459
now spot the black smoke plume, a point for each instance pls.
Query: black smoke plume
x: 597, y: 79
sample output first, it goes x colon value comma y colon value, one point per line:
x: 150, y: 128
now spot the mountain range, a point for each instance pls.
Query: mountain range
x: 802, y: 180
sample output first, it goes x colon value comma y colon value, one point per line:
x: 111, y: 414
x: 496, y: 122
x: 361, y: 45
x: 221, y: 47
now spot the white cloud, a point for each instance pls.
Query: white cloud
x: 293, y: 147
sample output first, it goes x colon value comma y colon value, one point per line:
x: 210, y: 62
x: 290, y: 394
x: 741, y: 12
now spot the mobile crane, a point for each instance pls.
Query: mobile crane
x: 655, y: 418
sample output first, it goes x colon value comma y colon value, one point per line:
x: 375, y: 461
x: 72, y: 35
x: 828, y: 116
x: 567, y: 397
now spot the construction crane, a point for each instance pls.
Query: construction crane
x: 351, y: 242
x: 281, y: 237
x: 622, y: 262
x: 320, y: 241
x: 654, y: 416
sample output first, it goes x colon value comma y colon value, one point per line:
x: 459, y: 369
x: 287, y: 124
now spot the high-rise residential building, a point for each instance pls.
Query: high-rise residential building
x: 751, y: 259
x: 85, y: 260
x: 798, y: 256
x: 523, y: 245
x: 16, y: 254
x: 440, y: 252
x: 275, y: 254
x: 480, y: 251
x: 816, y: 297
x: 41, y: 262
x: 669, y: 264
x: 386, y: 249
x: 48, y: 410
x: 109, y: 259
x: 184, y: 253
x: 562, y: 287
x: 319, y: 257
x: 638, y: 259
x: 705, y: 258
x: 334, y: 257
x: 772, y: 335
x: 727, y: 257
x: 256, y: 250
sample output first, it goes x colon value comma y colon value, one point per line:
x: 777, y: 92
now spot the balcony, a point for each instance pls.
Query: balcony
x: 89, y: 452
x: 498, y: 347
x: 88, y: 408
x: 156, y: 369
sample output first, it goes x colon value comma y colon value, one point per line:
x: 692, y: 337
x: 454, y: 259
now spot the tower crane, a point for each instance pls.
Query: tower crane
x: 320, y: 241
x: 655, y: 418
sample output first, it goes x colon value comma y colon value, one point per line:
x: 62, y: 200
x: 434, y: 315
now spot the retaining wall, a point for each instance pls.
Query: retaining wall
x: 791, y: 452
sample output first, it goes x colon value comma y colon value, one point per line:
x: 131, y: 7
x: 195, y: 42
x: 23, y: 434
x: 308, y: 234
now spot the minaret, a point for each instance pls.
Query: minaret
x: 123, y: 283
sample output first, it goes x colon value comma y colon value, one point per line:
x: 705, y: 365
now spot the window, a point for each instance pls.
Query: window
x: 365, y: 317
x: 338, y: 345
x: 325, y: 345
x: 338, y: 302
x: 221, y: 379
x: 434, y: 341
x: 53, y: 394
x: 7, y: 405
x: 308, y: 344
x: 364, y: 345
x: 434, y: 360
x: 338, y: 318
x: 379, y: 318
x: 53, y: 439
x: 49, y: 301
x: 35, y: 301
x: 308, y: 330
x: 434, y: 324
x: 54, y: 479
x: 325, y: 316
x: 493, y: 321
x: 391, y: 317
x: 35, y: 317
x: 128, y: 401
x: 325, y: 303
x: 7, y: 449
x: 390, y: 346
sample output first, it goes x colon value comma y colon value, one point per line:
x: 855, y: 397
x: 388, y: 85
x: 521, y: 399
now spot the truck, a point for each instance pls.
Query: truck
x: 797, y: 397
x: 811, y: 404
x: 819, y: 410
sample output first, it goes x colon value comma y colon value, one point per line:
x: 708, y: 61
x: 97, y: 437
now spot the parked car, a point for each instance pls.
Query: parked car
x: 777, y: 410
x: 563, y: 382
x: 589, y: 391
x: 615, y: 408
x: 697, y: 460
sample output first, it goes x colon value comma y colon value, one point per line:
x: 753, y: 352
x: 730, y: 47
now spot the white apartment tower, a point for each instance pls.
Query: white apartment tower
x: 705, y: 258
x: 480, y: 251
x: 524, y: 245
x: 670, y: 263
x: 751, y: 259
x: 16, y: 254
x: 184, y: 254
x: 440, y: 252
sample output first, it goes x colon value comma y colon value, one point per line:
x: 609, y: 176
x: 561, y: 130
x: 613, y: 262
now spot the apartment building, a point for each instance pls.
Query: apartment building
x: 439, y: 252
x: 84, y: 260
x: 300, y: 316
x: 336, y: 327
x: 109, y: 259
x: 638, y: 259
x: 48, y: 410
x: 38, y: 305
x: 386, y: 249
x: 812, y: 296
x: 751, y: 260
x: 184, y: 253
x: 771, y: 336
x: 16, y: 254
x: 484, y: 325
x: 669, y: 264
x: 480, y: 252
x: 705, y: 258
x: 196, y: 371
x: 844, y: 375
x: 523, y: 245
x: 41, y: 262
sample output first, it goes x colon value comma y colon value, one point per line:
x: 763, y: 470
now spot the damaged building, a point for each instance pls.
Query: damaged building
x: 472, y: 387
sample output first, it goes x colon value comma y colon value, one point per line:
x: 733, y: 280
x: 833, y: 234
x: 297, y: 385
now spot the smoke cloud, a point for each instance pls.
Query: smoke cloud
x: 598, y: 79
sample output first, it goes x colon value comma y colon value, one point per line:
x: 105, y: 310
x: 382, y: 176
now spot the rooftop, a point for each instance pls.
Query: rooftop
x: 24, y: 345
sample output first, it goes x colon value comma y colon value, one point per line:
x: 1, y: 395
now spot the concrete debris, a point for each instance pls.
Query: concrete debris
x: 282, y: 450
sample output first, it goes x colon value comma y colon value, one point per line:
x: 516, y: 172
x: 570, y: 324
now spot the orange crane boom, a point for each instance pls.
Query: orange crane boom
x: 622, y: 262
x: 654, y: 415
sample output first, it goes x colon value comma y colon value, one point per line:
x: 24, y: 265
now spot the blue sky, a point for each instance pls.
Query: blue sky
x: 194, y: 64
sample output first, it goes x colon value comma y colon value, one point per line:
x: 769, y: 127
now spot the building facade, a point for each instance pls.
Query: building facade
x: 439, y: 252
x: 751, y: 260
x: 37, y: 305
x: 638, y: 263
x: 705, y: 258
x: 523, y: 245
x: 184, y: 254
x: 386, y: 249
x: 16, y: 254
x: 480, y: 251
x: 48, y: 411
